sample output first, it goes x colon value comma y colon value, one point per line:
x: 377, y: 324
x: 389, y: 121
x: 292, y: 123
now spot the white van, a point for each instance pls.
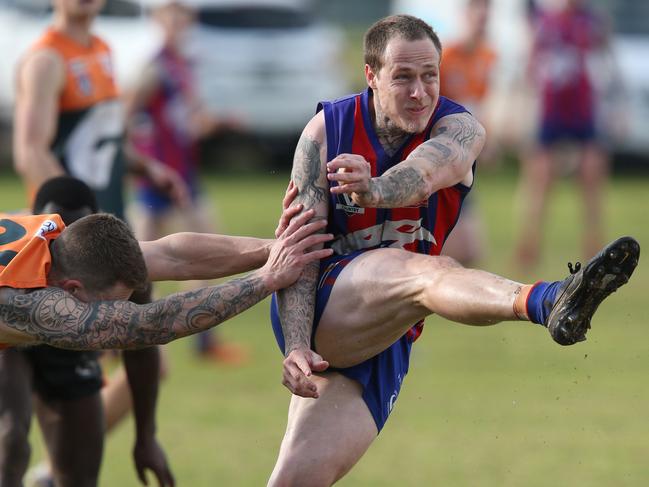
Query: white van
x: 267, y: 61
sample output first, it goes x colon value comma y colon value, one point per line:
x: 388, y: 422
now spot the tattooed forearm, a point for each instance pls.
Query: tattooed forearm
x: 400, y: 186
x: 296, y: 303
x: 54, y: 317
x: 440, y: 162
x: 296, y: 310
x: 307, y: 171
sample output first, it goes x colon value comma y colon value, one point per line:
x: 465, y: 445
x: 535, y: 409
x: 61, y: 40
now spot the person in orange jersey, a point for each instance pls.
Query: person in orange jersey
x: 57, y: 283
x: 68, y: 120
x: 467, y: 70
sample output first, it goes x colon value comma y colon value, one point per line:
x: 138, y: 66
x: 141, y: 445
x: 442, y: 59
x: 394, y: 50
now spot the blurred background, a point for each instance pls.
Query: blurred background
x: 501, y: 406
x: 260, y: 58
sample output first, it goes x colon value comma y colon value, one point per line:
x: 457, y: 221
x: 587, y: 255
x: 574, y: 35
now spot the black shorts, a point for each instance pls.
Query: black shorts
x: 64, y: 374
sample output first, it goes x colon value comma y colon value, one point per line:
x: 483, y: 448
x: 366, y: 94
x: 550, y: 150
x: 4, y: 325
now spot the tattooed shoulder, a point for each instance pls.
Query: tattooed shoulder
x: 455, y: 137
x: 308, y: 170
x: 462, y: 128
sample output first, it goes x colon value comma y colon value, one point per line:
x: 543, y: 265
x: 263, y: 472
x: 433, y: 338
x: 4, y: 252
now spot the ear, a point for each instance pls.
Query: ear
x: 370, y: 77
x: 73, y: 286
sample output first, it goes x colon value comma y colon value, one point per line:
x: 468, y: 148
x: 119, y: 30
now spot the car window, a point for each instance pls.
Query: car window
x: 28, y: 6
x: 627, y: 16
x: 254, y: 17
x: 121, y: 8
x: 112, y: 8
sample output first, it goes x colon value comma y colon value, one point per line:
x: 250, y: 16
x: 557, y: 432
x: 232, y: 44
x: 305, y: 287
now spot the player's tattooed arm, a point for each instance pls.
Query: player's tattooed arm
x: 296, y: 303
x: 307, y: 172
x: 55, y: 317
x: 442, y: 161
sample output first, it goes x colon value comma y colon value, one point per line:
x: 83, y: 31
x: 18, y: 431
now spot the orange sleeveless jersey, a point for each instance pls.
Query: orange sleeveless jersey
x: 24, y: 249
x: 465, y: 74
x: 90, y: 126
x: 25, y: 258
x: 88, y: 70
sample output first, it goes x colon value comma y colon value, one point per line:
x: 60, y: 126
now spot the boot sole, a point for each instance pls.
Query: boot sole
x: 570, y: 317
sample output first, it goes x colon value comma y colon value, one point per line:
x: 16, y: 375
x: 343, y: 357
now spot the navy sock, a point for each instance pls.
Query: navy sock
x: 540, y: 301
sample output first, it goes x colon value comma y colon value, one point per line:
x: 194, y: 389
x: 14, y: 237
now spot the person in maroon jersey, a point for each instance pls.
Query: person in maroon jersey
x: 166, y: 121
x: 388, y: 169
x: 565, y: 41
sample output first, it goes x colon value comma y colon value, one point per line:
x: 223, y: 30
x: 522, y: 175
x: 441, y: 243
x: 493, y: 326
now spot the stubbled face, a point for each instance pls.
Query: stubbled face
x: 79, y: 8
x: 407, y: 85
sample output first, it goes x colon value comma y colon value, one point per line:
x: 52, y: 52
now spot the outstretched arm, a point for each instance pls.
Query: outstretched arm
x: 188, y: 256
x: 56, y: 318
x: 442, y: 161
x: 297, y: 303
x: 200, y: 256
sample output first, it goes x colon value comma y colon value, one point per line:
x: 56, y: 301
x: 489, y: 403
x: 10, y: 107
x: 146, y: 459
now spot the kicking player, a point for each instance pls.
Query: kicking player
x: 389, y: 169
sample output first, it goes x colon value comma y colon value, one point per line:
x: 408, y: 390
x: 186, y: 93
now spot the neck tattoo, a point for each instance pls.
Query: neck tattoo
x: 390, y: 136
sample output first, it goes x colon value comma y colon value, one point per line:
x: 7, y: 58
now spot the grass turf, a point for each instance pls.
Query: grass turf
x: 498, y: 406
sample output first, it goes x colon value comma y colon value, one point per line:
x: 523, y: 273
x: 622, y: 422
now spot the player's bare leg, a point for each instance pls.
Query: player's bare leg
x: 73, y: 431
x: 383, y: 292
x: 380, y: 294
x: 15, y: 416
x: 593, y: 173
x: 324, y: 437
x: 537, y: 175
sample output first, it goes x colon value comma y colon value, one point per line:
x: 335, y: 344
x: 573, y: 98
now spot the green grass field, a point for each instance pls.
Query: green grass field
x: 497, y: 407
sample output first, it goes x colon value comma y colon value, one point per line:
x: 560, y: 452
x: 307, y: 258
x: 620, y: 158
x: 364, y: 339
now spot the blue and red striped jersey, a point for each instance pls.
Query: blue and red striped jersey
x: 421, y: 228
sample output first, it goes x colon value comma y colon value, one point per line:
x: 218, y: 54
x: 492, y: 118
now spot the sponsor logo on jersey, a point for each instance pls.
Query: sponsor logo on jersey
x: 346, y: 204
x: 106, y: 63
x: 48, y: 226
x: 394, y: 234
x: 79, y: 70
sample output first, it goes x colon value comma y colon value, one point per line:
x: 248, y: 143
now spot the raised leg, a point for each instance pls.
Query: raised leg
x: 383, y: 292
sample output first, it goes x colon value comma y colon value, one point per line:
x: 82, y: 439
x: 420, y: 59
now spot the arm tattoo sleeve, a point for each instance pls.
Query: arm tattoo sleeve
x: 296, y: 303
x: 56, y: 318
x: 307, y: 170
x: 439, y: 162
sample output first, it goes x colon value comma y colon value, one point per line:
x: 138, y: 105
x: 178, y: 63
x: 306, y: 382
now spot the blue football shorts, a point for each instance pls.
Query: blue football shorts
x: 553, y: 131
x: 156, y: 202
x: 380, y: 376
